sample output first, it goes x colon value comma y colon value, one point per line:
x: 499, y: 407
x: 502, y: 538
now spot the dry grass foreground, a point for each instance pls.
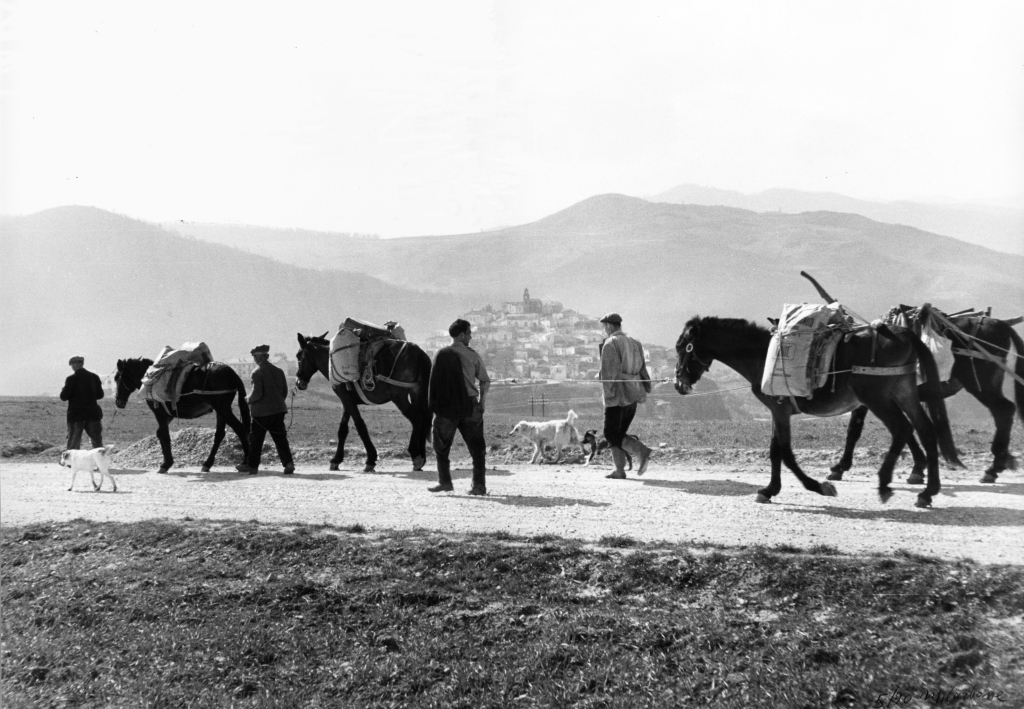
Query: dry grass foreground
x: 203, y: 614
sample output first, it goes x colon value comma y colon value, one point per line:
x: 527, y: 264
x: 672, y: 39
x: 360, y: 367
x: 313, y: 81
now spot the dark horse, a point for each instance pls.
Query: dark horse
x: 208, y: 387
x: 743, y: 346
x: 981, y: 378
x: 404, y: 363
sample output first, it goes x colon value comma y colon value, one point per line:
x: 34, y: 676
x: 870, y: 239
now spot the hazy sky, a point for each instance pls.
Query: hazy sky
x: 410, y: 118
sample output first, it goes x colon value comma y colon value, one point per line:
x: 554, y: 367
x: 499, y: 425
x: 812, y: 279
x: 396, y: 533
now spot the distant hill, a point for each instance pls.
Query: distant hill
x: 78, y: 280
x: 658, y: 263
x: 998, y: 228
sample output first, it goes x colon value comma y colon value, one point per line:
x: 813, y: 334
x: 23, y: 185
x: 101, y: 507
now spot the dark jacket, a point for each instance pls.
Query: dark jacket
x: 82, y: 390
x: 269, y: 390
x: 447, y: 396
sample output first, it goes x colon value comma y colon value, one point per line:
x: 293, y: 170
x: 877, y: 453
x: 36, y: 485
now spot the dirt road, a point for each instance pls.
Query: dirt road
x: 671, y: 503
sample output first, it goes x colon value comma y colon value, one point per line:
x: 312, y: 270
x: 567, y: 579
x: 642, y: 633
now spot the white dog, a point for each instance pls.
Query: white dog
x: 558, y: 434
x: 91, y: 460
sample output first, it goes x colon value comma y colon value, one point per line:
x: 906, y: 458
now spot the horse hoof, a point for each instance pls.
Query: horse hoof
x: 988, y: 478
x: 162, y: 471
x: 334, y: 466
x: 763, y: 499
x: 418, y: 463
x: 828, y: 490
x: 915, y: 479
x: 205, y: 469
x: 835, y: 475
x: 885, y: 495
x: 369, y: 468
x: 923, y: 502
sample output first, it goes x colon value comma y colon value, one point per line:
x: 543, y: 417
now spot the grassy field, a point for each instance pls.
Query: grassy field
x: 238, y: 614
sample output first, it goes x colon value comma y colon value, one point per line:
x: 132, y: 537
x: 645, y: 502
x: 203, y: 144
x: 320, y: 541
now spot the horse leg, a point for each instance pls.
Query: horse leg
x: 339, y: 455
x: 1002, y: 410
x: 853, y: 431
x: 409, y: 411
x: 218, y: 437
x: 163, y: 434
x: 783, y: 439
x: 239, y: 428
x: 916, y: 476
x: 898, y: 427
x: 364, y: 436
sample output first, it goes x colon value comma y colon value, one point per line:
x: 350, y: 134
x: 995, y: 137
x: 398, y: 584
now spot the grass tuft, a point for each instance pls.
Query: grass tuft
x: 241, y: 614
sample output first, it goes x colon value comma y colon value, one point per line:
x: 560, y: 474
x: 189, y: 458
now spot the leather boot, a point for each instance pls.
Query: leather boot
x: 638, y: 450
x: 620, y: 463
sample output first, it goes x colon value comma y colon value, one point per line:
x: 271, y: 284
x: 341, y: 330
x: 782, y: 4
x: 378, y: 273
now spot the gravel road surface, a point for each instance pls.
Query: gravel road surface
x: 675, y: 503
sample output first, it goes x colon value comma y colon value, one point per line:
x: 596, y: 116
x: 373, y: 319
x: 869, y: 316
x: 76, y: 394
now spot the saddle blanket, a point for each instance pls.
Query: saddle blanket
x: 940, y: 346
x: 354, y: 346
x: 165, y: 378
x: 802, y: 348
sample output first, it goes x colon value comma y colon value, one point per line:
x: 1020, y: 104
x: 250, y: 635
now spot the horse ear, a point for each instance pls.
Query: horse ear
x: 120, y: 365
x: 324, y: 336
x: 302, y: 340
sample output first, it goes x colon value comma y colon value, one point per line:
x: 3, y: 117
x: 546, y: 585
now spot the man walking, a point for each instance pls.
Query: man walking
x: 626, y: 383
x: 82, y: 390
x: 457, y: 402
x: 268, y: 407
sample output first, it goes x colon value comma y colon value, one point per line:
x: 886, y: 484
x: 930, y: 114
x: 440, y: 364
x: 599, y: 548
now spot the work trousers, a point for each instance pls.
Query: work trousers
x: 261, y: 426
x: 472, y: 429
x: 93, y: 428
x: 616, y: 423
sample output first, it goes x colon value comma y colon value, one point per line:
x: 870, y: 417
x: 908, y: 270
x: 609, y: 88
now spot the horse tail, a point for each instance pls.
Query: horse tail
x: 1018, y: 386
x: 243, y: 405
x: 934, y: 401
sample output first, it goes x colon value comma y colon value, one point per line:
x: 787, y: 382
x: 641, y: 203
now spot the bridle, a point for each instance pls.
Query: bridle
x: 690, y: 352
x: 129, y: 387
x: 310, y: 342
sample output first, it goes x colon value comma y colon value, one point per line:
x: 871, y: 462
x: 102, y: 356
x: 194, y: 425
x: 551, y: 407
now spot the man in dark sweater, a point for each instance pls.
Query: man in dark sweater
x: 458, y: 386
x: 268, y: 407
x: 82, y: 390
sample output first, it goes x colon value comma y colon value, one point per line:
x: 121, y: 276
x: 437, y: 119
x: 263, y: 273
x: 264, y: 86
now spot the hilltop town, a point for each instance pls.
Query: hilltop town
x: 537, y: 338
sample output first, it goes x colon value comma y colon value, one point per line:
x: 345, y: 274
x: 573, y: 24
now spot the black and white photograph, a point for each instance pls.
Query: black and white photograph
x: 511, y: 354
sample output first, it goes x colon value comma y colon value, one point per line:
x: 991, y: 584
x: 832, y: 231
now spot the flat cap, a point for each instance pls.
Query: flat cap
x: 613, y: 318
x: 77, y: 358
x: 260, y: 349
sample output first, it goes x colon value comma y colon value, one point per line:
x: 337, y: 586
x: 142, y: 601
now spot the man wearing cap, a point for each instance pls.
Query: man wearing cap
x: 457, y: 403
x: 268, y: 407
x: 82, y: 390
x: 625, y: 383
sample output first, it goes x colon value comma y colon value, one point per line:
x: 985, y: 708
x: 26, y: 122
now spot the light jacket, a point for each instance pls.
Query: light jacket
x: 623, y: 371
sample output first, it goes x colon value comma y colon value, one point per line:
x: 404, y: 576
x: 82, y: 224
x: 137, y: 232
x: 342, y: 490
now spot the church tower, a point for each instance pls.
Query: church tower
x: 526, y: 296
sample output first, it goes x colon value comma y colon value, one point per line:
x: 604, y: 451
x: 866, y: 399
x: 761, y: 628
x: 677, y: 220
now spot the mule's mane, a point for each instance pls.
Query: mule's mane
x: 743, y: 329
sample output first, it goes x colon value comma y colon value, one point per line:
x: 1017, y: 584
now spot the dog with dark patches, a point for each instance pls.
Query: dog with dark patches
x: 598, y: 443
x: 557, y: 434
x: 88, y: 460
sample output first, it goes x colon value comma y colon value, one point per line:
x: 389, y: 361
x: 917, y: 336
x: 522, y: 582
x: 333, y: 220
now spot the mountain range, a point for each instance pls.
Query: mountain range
x: 81, y: 280
x: 658, y: 263
x: 998, y: 228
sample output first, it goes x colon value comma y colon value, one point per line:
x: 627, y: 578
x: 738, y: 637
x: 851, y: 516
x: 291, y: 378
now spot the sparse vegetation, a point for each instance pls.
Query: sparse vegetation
x: 239, y: 614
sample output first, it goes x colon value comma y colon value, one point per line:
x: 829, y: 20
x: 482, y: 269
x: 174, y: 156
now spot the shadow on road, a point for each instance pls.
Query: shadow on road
x: 720, y: 488
x: 942, y: 517
x: 952, y: 489
x: 532, y: 501
x: 431, y: 475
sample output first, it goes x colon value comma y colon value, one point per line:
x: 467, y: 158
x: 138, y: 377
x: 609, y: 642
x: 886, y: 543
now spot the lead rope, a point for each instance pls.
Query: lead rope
x: 291, y: 412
